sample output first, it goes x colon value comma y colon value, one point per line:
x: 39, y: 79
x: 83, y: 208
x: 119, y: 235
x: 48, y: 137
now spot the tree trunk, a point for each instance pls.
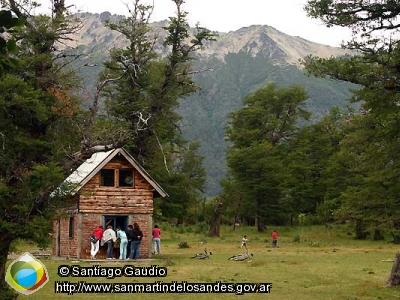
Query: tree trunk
x: 237, y: 214
x: 395, y: 233
x: 5, y: 291
x: 216, y: 220
x: 394, y: 277
x: 260, y: 225
x: 361, y: 233
x: 378, y: 236
x: 396, y: 239
x: 4, y: 249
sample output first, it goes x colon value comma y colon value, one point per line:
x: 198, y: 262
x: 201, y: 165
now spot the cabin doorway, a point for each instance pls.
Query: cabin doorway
x: 116, y: 221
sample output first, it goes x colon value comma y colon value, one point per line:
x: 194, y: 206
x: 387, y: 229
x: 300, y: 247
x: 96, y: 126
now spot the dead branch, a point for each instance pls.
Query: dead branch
x: 162, y: 151
x: 87, y: 139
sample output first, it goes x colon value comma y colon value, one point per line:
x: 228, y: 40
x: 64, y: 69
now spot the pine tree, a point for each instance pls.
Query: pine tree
x: 36, y: 112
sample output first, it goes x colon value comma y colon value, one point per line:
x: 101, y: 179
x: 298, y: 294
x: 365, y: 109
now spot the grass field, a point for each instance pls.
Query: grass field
x: 321, y: 264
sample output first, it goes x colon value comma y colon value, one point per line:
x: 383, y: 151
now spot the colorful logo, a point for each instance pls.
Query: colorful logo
x: 26, y: 274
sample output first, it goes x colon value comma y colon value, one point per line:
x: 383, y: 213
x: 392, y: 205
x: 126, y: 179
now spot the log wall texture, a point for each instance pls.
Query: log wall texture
x: 95, y: 202
x: 67, y: 246
x: 115, y: 200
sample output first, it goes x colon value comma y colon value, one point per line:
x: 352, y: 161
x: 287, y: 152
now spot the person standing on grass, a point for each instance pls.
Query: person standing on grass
x: 123, y: 244
x: 244, y: 242
x: 136, y: 241
x: 274, y: 236
x: 94, y: 247
x: 157, y: 239
x: 109, y: 238
x: 129, y: 235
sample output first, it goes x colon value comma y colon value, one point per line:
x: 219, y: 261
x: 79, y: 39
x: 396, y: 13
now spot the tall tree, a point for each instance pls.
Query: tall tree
x: 8, y: 46
x: 267, y: 119
x: 375, y: 64
x: 35, y: 107
x: 269, y: 114
x: 375, y: 67
x: 370, y: 154
x: 142, y: 93
x: 316, y: 179
x: 259, y: 171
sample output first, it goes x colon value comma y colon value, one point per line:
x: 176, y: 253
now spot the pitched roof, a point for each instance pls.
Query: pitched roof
x: 91, y: 166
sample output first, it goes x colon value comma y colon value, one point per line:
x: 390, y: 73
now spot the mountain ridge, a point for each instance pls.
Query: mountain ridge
x: 239, y: 62
x: 251, y: 39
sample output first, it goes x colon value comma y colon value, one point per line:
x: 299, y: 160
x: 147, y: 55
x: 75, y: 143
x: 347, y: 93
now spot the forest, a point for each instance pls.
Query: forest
x: 281, y: 169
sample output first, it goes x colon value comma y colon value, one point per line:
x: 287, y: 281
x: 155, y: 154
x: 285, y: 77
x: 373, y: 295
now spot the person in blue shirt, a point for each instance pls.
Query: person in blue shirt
x: 123, y: 244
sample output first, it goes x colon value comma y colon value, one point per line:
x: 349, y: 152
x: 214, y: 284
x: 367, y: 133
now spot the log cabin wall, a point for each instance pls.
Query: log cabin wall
x: 65, y: 243
x: 78, y: 246
x: 90, y: 221
x: 136, y: 202
x: 145, y: 222
x: 95, y: 202
x: 116, y: 200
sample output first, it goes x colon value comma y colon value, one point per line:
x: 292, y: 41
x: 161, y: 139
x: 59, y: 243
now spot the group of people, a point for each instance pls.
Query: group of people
x: 132, y: 238
x: 274, y: 237
x: 129, y: 240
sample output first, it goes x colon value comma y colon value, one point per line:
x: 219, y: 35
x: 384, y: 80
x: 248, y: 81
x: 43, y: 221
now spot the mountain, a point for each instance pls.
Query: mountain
x: 237, y: 63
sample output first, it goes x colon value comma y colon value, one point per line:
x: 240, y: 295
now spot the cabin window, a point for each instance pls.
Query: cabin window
x: 107, y: 177
x: 125, y: 178
x: 119, y: 177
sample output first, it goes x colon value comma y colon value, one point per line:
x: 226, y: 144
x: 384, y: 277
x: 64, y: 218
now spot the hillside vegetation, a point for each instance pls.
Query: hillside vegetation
x: 237, y: 63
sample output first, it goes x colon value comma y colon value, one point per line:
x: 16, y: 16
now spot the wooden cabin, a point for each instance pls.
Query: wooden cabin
x: 109, y: 188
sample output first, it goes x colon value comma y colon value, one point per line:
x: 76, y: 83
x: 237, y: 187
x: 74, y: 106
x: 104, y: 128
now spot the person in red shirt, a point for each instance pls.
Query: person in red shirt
x: 157, y: 239
x: 274, y: 238
x: 98, y: 234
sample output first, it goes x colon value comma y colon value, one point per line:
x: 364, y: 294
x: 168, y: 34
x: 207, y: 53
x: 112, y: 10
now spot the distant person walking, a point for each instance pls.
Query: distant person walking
x: 123, y: 244
x: 244, y: 242
x: 136, y: 241
x: 274, y: 236
x: 109, y: 238
x: 95, y: 241
x: 157, y: 239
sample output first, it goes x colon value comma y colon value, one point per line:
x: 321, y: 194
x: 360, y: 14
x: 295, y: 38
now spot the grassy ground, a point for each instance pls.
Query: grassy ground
x: 322, y: 264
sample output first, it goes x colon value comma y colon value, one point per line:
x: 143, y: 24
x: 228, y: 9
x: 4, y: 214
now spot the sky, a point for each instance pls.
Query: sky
x: 287, y: 16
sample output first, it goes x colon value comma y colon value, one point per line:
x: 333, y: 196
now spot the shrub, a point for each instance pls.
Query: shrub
x: 296, y: 238
x: 183, y: 244
x: 182, y: 229
x: 201, y: 227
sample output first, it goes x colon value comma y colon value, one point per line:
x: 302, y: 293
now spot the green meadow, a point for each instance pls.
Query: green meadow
x: 313, y: 262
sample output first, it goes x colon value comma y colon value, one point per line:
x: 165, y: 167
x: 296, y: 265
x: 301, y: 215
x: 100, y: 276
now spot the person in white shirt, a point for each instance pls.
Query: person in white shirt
x: 109, y: 238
